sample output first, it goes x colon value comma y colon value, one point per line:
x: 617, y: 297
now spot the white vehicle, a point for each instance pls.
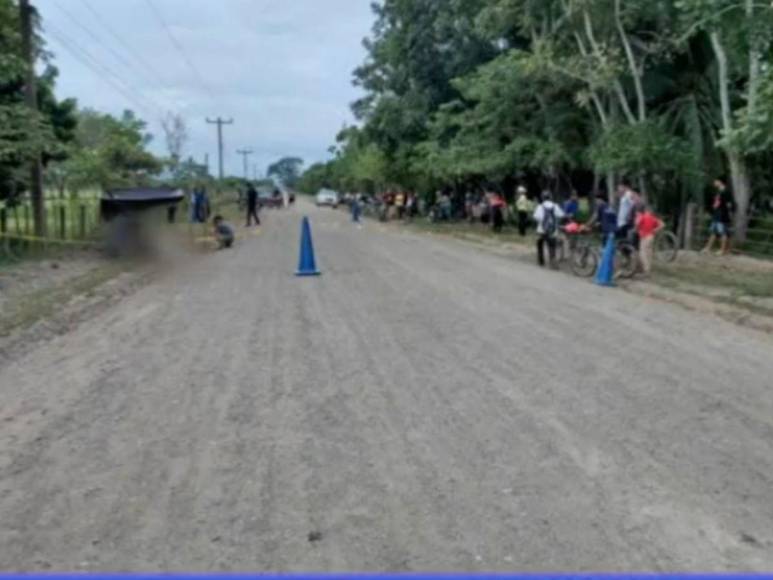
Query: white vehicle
x: 327, y: 197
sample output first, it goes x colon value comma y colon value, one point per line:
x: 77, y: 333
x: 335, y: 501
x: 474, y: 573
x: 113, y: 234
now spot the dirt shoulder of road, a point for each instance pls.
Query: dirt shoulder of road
x: 736, y: 288
x: 47, y: 297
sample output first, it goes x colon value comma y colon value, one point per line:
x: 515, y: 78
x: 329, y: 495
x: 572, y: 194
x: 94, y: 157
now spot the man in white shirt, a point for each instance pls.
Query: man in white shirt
x: 626, y: 209
x: 547, y: 215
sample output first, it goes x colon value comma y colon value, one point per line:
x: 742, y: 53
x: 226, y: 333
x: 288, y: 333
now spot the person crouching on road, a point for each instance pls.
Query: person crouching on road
x: 224, y: 232
x: 547, y: 215
x: 647, y: 226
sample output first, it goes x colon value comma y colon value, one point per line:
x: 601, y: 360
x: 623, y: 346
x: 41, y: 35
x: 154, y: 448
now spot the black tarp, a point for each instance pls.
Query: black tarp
x: 121, y: 201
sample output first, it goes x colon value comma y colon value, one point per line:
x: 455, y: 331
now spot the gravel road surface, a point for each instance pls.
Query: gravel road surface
x: 424, y: 405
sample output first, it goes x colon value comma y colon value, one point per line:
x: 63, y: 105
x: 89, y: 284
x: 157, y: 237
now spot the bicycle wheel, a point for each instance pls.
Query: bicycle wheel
x: 584, y: 262
x: 626, y: 261
x: 666, y: 247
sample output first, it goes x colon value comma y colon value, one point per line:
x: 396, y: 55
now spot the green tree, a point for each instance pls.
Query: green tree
x: 287, y: 170
x: 24, y: 133
x: 108, y: 152
x: 741, y: 35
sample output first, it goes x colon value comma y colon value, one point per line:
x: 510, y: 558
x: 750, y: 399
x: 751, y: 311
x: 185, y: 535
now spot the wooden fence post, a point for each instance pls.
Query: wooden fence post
x: 4, y: 228
x: 689, y: 225
x: 16, y: 220
x: 82, y: 219
x: 62, y: 222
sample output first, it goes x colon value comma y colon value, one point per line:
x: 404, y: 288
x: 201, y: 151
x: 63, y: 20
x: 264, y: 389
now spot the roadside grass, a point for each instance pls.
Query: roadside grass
x: 465, y: 230
x: 740, y: 282
x: 744, y: 288
x: 39, y: 304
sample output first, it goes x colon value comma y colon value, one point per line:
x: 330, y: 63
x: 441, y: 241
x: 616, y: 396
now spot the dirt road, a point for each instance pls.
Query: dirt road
x: 422, y: 405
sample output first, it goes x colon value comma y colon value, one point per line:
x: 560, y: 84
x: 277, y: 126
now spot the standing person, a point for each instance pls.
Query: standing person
x: 498, y: 205
x: 389, y: 203
x: 203, y: 206
x: 356, y: 206
x: 603, y: 216
x: 626, y: 210
x: 721, y: 216
x: 400, y: 204
x: 252, y: 206
x: 572, y: 206
x: 193, y: 209
x: 547, y: 216
x: 647, y: 227
x: 522, y: 206
x: 468, y: 204
x: 410, y: 206
x: 445, y: 206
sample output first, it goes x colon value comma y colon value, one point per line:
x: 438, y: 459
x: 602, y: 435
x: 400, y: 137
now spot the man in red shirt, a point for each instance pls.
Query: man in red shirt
x: 647, y: 226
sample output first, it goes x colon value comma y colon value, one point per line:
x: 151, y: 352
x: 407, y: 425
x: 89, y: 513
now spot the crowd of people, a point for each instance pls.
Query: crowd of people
x: 626, y: 216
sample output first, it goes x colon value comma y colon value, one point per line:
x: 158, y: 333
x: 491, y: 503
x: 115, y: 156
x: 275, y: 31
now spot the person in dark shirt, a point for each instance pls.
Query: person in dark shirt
x: 252, y: 206
x: 721, y: 216
x: 604, y: 216
x: 224, y: 232
x: 572, y: 206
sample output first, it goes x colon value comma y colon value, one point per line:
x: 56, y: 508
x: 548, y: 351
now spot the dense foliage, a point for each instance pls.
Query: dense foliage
x: 79, y: 147
x: 563, y: 94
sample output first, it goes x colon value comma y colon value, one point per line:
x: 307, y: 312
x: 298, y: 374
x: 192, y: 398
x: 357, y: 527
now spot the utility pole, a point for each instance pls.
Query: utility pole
x: 245, y: 153
x: 31, y: 93
x: 220, y: 122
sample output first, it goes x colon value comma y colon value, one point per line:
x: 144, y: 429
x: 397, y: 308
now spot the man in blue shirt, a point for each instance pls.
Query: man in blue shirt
x: 572, y: 206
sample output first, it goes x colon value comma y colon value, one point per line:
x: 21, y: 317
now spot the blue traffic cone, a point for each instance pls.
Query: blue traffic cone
x: 605, y: 276
x: 307, y: 266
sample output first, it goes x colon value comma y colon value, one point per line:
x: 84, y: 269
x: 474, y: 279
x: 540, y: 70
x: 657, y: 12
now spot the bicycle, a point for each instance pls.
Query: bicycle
x: 591, y: 254
x: 666, y: 246
x: 626, y: 259
x: 583, y: 258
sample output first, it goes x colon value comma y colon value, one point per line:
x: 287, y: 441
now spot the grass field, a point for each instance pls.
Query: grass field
x: 72, y: 217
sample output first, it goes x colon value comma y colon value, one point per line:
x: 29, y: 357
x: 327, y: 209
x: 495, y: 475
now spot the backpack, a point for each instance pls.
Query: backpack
x: 549, y: 222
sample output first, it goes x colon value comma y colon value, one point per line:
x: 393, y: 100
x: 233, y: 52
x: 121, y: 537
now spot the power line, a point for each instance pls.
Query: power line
x: 104, y: 73
x: 117, y: 55
x: 180, y: 49
x: 141, y: 61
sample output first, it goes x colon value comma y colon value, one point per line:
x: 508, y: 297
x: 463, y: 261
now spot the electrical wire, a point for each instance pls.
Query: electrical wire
x: 108, y: 28
x: 181, y: 50
x: 106, y: 45
x: 105, y: 74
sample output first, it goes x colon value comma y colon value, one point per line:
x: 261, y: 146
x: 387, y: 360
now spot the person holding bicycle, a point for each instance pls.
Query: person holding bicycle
x: 603, y: 216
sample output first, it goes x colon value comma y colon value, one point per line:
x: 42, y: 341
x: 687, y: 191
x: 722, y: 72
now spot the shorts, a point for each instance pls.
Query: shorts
x: 718, y: 228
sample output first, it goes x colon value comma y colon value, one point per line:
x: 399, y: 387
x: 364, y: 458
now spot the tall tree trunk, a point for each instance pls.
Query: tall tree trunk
x: 636, y: 72
x: 739, y: 171
x: 617, y: 85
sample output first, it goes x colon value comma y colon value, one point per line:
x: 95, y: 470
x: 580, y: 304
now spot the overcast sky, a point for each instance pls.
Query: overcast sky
x: 281, y: 69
